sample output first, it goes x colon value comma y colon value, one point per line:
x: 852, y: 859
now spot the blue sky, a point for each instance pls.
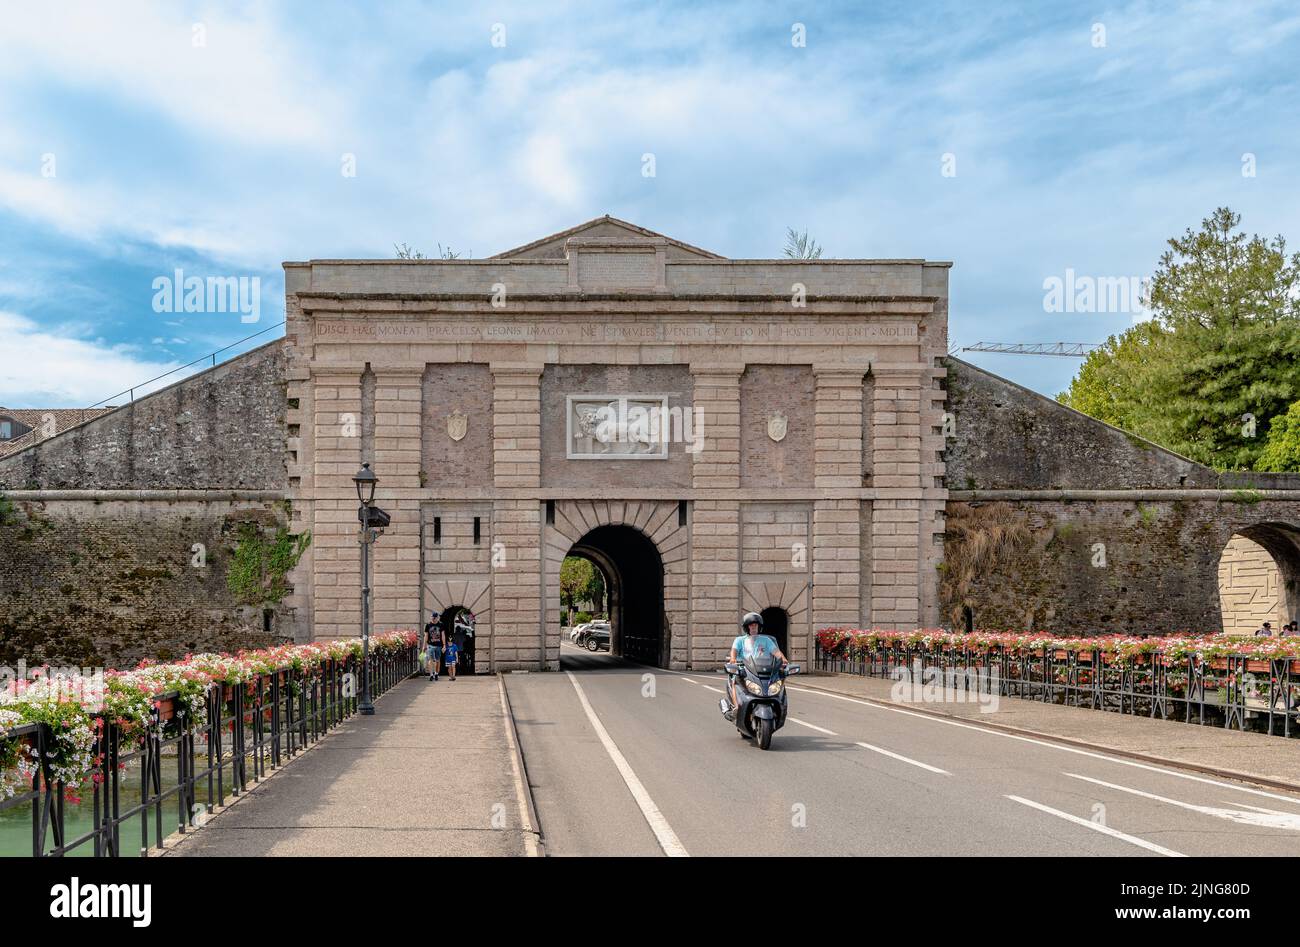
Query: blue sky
x: 224, y: 157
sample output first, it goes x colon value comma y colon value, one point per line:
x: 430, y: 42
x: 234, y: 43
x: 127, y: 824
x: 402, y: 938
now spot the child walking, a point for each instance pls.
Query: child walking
x: 449, y: 654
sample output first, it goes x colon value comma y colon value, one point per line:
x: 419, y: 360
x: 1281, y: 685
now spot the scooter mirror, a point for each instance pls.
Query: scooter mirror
x: 793, y: 669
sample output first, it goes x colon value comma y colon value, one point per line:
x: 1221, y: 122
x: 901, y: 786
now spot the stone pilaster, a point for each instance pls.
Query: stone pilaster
x: 516, y: 426
x: 896, y: 528
x: 715, y: 580
x: 715, y: 525
x: 336, y: 456
x: 717, y: 396
x: 837, y: 546
x: 519, y: 626
x: 396, y: 560
x: 837, y: 441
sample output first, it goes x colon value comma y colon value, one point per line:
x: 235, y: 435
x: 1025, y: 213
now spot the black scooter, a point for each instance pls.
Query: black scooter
x: 760, y: 697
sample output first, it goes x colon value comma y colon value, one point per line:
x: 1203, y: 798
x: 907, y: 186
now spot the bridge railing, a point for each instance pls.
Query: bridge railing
x: 184, y: 766
x: 1233, y: 691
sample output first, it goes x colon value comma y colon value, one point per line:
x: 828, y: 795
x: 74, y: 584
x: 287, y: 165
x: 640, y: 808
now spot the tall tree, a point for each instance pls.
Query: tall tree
x: 1220, y: 358
x: 580, y: 581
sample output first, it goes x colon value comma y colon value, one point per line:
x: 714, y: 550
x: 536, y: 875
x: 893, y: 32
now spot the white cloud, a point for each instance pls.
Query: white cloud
x: 44, y: 370
x: 246, y: 83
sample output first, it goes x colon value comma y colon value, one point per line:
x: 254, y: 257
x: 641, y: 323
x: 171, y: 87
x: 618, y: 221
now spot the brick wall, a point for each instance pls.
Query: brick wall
x: 559, y: 381
x: 764, y: 391
x: 449, y: 388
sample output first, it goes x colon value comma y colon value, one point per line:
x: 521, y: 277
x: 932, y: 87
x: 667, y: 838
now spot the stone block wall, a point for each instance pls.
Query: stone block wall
x: 223, y: 428
x: 105, y: 581
x: 1058, y: 522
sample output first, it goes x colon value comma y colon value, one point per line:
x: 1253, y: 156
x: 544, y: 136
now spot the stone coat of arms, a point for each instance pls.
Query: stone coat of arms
x: 457, y: 425
x: 777, y: 425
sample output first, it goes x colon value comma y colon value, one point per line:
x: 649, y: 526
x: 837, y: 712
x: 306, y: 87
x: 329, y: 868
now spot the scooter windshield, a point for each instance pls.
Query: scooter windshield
x: 762, y: 663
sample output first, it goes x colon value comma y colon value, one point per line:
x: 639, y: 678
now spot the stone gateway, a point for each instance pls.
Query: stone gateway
x: 718, y: 436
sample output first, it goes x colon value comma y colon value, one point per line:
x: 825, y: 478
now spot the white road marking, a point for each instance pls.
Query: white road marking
x: 668, y: 839
x: 688, y: 680
x: 1263, y: 818
x: 716, y: 690
x: 883, y: 752
x: 1098, y: 827
x: 812, y: 726
x: 1058, y: 746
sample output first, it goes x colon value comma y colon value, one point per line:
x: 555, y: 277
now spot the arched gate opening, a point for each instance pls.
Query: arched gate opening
x: 1259, y: 578
x: 634, y: 577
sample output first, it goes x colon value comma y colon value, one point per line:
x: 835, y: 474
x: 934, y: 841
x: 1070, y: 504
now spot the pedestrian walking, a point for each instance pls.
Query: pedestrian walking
x: 433, y: 646
x: 450, y: 652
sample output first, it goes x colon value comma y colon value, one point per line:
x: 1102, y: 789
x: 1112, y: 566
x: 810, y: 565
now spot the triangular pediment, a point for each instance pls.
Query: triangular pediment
x: 599, y: 230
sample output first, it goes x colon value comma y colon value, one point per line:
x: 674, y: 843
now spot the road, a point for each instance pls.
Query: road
x: 631, y: 760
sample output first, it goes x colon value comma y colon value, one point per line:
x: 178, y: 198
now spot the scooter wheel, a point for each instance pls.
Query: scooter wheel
x: 764, y: 734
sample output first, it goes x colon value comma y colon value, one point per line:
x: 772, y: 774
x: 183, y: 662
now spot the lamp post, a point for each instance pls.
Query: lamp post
x: 366, y: 481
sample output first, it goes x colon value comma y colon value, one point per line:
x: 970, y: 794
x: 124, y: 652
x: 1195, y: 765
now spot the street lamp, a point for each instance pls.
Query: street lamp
x: 370, y: 517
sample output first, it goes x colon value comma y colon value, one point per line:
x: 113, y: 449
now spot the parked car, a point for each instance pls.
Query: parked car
x: 576, y: 632
x: 597, y: 637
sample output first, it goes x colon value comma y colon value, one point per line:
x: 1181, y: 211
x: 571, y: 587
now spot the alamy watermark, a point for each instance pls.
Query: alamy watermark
x: 951, y: 685
x: 1097, y: 294
x: 84, y: 685
x: 181, y: 293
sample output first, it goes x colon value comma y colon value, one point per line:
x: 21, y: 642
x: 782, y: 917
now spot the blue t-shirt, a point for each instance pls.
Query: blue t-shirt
x: 451, y: 651
x: 745, y: 646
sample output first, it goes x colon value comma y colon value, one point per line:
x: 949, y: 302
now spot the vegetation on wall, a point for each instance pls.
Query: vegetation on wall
x: 258, y: 565
x: 1218, y: 364
x: 977, y: 538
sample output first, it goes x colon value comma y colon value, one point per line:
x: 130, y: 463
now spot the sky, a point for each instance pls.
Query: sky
x: 1021, y: 142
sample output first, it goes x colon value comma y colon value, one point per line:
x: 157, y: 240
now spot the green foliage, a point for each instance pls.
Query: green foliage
x: 1248, y: 497
x: 258, y: 566
x: 580, y: 581
x: 7, y: 512
x: 1224, y: 343
x: 1282, y: 446
x: 581, y: 617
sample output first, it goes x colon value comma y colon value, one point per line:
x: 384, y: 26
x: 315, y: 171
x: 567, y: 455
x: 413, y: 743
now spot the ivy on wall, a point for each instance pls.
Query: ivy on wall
x: 258, y: 565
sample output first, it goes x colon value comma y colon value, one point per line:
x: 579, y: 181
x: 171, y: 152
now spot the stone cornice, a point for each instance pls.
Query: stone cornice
x: 1244, y: 496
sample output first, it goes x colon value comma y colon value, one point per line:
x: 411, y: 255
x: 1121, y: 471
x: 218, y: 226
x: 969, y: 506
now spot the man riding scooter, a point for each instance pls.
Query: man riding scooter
x: 750, y: 642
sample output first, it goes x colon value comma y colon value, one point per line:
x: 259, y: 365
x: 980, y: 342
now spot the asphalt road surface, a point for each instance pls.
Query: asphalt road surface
x: 631, y: 760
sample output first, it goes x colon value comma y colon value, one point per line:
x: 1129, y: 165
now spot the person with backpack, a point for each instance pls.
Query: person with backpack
x: 433, y: 645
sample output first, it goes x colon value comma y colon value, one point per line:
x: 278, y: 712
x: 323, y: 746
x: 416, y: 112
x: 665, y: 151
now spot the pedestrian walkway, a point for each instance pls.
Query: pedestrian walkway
x: 1250, y: 756
x: 433, y: 772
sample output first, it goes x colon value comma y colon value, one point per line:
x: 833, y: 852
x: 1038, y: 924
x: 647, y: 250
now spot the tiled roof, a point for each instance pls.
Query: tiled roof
x: 38, y: 420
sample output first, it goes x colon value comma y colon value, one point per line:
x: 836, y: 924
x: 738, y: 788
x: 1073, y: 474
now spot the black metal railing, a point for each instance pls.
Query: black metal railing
x: 184, y: 768
x: 1235, y: 691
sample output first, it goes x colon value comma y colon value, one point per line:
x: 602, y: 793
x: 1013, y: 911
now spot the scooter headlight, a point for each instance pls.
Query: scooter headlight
x: 753, y: 687
x: 775, y: 688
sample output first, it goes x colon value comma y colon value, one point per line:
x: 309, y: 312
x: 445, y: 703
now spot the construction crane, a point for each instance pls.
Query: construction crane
x: 1068, y: 349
